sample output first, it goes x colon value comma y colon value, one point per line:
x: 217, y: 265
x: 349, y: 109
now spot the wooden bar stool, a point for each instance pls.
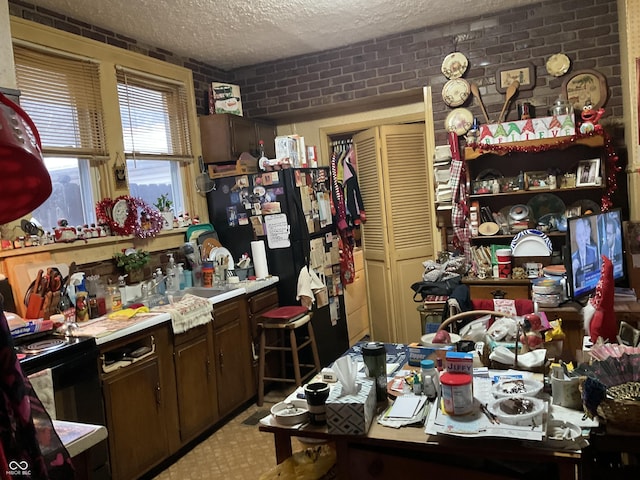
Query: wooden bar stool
x: 285, y: 345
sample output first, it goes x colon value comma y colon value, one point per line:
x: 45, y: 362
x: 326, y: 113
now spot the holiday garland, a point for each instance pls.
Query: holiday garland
x: 611, y: 159
x: 136, y: 208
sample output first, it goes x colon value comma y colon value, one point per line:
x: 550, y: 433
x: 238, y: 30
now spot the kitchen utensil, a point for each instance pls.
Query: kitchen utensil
x: 35, y: 298
x: 511, y: 91
x: 204, y: 183
x: 476, y: 93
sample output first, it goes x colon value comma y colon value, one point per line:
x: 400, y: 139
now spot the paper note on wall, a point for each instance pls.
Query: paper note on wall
x: 317, y: 253
x: 277, y: 229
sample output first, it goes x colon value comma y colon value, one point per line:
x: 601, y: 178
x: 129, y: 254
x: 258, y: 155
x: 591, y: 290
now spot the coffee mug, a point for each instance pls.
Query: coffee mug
x: 316, y: 394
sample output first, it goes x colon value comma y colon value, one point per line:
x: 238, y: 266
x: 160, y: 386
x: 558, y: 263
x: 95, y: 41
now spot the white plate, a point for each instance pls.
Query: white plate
x: 558, y: 64
x: 459, y: 121
x: 532, y: 243
x: 516, y: 388
x: 427, y: 340
x: 537, y: 409
x: 454, y: 65
x: 455, y: 92
x: 218, y: 254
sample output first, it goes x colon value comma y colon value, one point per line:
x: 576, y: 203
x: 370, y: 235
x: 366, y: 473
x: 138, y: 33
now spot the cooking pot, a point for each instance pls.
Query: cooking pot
x: 25, y: 183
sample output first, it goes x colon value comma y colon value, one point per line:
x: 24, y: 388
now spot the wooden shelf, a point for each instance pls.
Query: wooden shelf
x: 489, y: 237
x: 534, y: 192
x: 560, y: 143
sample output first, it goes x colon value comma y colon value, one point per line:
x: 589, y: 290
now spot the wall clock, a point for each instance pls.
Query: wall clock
x: 120, y: 212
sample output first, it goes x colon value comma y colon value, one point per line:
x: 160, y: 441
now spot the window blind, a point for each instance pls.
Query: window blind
x: 154, y: 117
x: 62, y: 96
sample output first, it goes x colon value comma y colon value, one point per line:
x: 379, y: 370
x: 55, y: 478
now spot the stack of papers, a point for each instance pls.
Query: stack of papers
x: 406, y: 410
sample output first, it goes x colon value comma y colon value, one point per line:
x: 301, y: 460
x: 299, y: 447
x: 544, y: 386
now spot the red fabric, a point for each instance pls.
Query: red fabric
x: 285, y: 313
x: 604, y: 324
x: 523, y: 305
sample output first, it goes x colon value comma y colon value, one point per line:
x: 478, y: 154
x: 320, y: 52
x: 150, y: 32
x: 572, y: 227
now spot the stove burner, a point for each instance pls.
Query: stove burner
x: 44, y: 345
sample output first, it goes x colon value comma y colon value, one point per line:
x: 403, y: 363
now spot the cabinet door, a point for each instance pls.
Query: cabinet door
x: 267, y: 133
x: 195, y: 378
x: 243, y: 136
x: 231, y: 346
x: 134, y: 404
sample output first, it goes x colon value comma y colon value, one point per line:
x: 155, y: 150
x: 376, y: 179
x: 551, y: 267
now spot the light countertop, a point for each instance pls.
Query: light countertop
x: 106, y: 330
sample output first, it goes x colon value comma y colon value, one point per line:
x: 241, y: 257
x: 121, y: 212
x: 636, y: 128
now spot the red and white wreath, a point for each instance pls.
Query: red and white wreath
x: 136, y: 209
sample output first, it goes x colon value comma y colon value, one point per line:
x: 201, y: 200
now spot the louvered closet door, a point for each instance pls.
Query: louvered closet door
x: 397, y: 237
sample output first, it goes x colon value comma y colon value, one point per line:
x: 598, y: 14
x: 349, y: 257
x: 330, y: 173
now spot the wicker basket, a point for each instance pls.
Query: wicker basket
x: 623, y: 410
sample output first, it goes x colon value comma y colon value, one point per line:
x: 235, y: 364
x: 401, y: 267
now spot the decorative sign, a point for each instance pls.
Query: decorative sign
x: 529, y: 129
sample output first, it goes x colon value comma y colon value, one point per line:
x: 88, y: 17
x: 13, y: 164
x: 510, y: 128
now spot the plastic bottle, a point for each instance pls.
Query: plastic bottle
x: 161, y: 286
x: 122, y: 287
x: 172, y: 281
x: 181, y: 280
x: 430, y: 378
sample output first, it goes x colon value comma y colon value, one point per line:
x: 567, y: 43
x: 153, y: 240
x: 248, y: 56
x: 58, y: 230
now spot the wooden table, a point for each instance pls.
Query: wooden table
x: 386, y: 452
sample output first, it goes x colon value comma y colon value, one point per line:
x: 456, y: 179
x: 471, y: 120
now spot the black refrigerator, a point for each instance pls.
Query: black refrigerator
x: 290, y: 210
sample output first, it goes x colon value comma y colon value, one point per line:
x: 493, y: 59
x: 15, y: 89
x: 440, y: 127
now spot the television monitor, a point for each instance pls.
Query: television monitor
x: 588, y: 238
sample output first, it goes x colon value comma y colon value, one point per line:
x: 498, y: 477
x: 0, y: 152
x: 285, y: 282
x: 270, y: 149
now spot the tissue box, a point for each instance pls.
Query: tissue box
x: 351, y: 414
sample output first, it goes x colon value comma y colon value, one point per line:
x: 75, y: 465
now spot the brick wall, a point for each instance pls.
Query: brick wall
x: 585, y: 30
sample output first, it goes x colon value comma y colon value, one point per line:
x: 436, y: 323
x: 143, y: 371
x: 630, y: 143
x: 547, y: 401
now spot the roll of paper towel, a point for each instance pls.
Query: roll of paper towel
x: 259, y: 259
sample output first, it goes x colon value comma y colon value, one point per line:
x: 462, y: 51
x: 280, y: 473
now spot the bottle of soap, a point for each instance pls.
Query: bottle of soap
x: 161, y: 286
x: 172, y: 280
x: 181, y: 281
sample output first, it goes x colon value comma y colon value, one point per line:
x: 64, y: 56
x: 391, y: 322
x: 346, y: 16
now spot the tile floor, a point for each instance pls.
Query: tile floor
x: 237, y: 451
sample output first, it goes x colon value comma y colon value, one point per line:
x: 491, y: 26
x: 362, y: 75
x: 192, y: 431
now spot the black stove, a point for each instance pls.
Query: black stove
x: 49, y: 351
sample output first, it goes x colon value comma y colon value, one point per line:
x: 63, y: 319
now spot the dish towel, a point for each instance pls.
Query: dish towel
x: 191, y: 311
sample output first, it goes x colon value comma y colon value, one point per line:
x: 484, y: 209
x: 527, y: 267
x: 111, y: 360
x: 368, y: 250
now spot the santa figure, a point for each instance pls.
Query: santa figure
x: 599, y: 315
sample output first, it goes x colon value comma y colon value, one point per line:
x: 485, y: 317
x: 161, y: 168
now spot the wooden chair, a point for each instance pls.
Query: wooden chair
x: 284, y: 345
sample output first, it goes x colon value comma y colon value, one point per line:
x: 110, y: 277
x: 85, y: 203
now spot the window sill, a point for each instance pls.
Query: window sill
x: 146, y: 243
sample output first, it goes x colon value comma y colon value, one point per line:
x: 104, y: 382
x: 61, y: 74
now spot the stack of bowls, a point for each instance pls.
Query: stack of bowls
x: 546, y: 291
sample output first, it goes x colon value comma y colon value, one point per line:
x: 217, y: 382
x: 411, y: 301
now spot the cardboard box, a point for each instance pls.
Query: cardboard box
x: 416, y: 353
x: 459, y: 362
x: 530, y: 129
x: 225, y: 98
x: 351, y: 414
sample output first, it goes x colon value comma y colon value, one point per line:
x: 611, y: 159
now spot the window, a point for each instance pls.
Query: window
x: 154, y: 117
x: 61, y: 93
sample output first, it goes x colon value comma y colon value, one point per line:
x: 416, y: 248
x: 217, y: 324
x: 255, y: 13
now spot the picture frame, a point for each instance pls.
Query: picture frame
x: 588, y: 173
x: 585, y: 86
x: 525, y: 73
x: 538, y: 180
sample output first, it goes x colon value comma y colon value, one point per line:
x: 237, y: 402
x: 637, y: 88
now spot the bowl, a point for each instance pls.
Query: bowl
x: 531, y: 413
x: 516, y: 388
x: 561, y: 434
x: 290, y: 413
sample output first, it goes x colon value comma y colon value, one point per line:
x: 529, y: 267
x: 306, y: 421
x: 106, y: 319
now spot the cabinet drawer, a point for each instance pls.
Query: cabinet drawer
x: 358, y: 259
x: 225, y: 313
x: 355, y: 294
x: 264, y: 300
x: 511, y: 291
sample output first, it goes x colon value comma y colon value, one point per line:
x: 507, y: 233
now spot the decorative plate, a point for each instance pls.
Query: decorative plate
x: 459, y: 121
x: 544, y: 204
x: 558, y: 64
x: 531, y: 242
x: 585, y: 207
x: 454, y: 65
x: 455, y: 92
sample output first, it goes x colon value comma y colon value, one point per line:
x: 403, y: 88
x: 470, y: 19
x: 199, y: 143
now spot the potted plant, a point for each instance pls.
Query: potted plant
x: 164, y: 204
x: 132, y: 262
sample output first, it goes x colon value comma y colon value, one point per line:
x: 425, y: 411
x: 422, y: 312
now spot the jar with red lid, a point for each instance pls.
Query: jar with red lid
x: 457, y: 393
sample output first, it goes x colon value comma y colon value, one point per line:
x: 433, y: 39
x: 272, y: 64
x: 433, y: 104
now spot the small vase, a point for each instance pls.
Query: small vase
x: 167, y: 220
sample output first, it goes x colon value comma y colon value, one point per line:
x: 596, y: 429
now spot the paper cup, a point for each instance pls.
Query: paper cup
x: 503, y: 255
x: 504, y: 269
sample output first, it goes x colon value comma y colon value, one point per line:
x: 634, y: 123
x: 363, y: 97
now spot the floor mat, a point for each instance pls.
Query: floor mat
x: 255, y: 417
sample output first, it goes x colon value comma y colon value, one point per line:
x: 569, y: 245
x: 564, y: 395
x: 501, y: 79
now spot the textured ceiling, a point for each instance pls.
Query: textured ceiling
x: 233, y: 33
